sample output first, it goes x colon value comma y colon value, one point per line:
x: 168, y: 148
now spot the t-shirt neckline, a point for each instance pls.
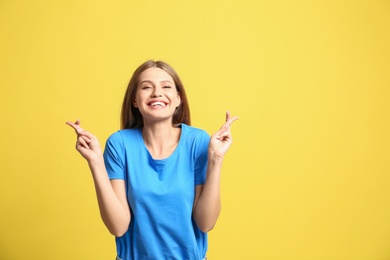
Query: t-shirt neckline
x: 173, y: 154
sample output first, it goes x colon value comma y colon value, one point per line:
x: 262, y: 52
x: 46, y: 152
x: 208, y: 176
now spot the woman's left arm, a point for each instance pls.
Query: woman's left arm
x: 207, y: 204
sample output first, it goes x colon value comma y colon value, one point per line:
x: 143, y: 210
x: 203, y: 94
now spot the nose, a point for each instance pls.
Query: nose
x: 156, y: 93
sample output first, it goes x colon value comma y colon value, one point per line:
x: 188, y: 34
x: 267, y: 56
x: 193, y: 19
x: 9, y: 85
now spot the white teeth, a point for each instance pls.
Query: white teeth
x: 158, y: 103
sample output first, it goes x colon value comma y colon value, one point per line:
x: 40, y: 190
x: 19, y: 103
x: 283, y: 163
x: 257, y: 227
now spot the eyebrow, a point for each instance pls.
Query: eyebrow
x: 151, y: 82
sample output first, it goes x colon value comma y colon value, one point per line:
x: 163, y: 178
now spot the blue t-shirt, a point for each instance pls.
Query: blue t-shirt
x: 160, y: 194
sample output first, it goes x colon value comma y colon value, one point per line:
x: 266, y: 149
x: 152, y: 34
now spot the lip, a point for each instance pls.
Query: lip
x: 155, y: 101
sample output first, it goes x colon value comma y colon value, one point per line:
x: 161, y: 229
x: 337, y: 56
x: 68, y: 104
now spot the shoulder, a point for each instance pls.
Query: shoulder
x: 119, y: 136
x: 195, y: 136
x: 193, y: 131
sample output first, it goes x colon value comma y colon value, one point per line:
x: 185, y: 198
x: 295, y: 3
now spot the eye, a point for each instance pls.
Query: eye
x: 167, y: 86
x: 146, y: 87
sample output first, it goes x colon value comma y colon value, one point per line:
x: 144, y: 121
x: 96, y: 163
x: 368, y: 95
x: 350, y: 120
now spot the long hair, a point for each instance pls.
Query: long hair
x: 130, y: 115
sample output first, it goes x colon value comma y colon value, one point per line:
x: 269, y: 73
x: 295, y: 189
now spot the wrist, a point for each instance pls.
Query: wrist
x: 96, y: 162
x: 214, y: 154
x: 214, y: 159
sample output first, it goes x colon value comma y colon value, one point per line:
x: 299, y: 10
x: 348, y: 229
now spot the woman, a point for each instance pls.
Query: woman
x: 158, y: 181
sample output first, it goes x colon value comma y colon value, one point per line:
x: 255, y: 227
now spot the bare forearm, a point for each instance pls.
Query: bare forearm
x: 114, y: 212
x: 208, y: 206
x: 111, y: 195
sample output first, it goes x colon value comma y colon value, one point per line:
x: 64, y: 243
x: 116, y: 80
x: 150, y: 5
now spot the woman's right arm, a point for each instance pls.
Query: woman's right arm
x: 111, y: 195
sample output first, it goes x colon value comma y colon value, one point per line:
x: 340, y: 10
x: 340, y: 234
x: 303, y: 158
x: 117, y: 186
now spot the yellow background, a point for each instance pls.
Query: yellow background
x: 308, y: 174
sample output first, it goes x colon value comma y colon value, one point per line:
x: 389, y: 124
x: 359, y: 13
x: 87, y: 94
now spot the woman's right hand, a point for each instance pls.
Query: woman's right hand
x: 111, y: 195
x: 87, y: 144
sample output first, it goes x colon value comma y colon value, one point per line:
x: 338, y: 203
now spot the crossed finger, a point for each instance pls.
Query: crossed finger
x: 76, y: 126
x: 229, y: 120
x: 224, y: 131
x: 83, y: 141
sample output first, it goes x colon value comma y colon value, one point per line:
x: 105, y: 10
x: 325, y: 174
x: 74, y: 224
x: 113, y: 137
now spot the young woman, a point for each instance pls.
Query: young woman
x: 158, y: 181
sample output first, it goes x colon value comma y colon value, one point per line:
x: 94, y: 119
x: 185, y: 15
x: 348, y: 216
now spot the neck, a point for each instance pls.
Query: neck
x: 160, y: 139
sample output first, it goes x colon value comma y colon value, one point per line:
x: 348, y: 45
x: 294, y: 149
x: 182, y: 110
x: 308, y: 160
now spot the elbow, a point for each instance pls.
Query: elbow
x: 118, y: 232
x: 206, y: 228
x: 206, y: 225
x: 208, y: 222
x: 117, y: 227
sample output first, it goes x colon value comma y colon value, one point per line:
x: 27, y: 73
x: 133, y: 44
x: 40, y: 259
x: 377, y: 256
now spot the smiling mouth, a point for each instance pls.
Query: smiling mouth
x: 157, y: 104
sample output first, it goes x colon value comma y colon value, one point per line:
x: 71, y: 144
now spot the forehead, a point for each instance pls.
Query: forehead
x: 155, y: 74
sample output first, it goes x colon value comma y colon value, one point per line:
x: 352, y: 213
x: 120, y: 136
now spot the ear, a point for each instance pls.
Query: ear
x: 134, y: 103
x: 178, y: 100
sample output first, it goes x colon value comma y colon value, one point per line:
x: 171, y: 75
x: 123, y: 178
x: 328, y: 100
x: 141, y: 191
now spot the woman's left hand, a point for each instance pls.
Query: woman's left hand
x: 222, y: 139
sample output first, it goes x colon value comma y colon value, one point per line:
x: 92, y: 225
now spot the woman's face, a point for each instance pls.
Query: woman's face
x: 156, y: 97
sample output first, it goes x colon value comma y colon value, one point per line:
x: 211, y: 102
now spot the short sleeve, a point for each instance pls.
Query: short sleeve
x: 114, y: 154
x: 202, y: 144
